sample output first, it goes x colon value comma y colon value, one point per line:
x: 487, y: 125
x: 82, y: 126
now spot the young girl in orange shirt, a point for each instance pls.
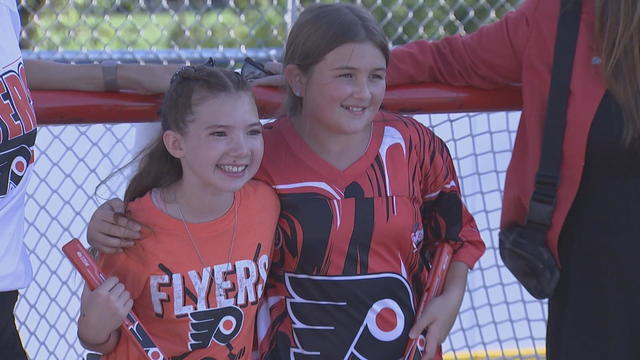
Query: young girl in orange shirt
x: 208, y: 229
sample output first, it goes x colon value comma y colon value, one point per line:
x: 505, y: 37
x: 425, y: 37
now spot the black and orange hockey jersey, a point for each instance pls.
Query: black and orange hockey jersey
x: 348, y: 270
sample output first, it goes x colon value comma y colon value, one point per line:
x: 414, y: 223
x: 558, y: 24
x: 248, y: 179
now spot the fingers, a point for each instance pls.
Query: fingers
x: 111, y: 297
x: 123, y: 299
x: 104, y: 309
x: 432, y: 343
x: 124, y: 296
x: 116, y: 290
x: 128, y: 305
x: 432, y: 321
x: 109, y: 230
x: 422, y: 322
x: 107, y: 285
x: 129, y: 228
x: 273, y: 67
x: 109, y: 244
x: 275, y: 80
x: 113, y: 211
x: 113, y: 205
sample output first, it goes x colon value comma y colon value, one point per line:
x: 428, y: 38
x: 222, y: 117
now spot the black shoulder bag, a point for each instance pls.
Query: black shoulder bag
x: 523, y: 248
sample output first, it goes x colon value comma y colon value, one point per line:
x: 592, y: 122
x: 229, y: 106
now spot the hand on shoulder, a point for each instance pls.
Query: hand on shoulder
x: 110, y: 230
x: 276, y: 80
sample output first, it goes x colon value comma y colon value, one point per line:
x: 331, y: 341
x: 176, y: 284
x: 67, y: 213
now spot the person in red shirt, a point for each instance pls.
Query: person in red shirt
x: 593, y: 313
x: 364, y: 194
x: 200, y: 268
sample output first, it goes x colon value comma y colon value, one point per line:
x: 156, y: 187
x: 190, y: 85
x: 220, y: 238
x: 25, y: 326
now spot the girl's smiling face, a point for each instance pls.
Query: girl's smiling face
x: 222, y: 147
x: 342, y: 93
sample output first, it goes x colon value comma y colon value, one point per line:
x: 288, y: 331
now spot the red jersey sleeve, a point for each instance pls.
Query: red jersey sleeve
x: 270, y: 207
x: 487, y: 58
x: 444, y: 214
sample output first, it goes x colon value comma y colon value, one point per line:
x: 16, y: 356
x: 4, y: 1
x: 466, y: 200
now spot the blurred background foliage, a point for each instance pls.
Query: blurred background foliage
x: 171, y: 24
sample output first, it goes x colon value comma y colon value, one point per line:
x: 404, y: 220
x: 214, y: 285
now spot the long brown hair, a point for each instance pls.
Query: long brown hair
x: 190, y: 86
x: 322, y: 28
x: 618, y: 36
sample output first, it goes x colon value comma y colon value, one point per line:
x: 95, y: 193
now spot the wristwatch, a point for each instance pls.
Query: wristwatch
x: 110, y: 75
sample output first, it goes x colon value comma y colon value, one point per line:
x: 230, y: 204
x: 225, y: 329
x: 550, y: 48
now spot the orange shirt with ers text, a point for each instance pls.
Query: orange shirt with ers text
x: 190, y: 308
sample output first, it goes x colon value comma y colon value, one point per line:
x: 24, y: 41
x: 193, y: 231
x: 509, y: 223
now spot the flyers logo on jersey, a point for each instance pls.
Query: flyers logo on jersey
x: 17, y: 129
x: 220, y: 325
x: 343, y: 317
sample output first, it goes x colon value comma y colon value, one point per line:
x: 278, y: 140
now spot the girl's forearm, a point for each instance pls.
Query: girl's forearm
x: 456, y: 281
x: 104, y: 347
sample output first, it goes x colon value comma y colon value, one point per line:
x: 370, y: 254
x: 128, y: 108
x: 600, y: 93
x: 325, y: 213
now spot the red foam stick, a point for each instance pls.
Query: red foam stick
x: 83, y: 262
x: 435, y: 283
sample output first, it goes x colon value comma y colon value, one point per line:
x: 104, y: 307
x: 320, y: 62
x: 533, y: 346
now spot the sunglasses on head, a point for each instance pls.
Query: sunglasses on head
x: 252, y: 70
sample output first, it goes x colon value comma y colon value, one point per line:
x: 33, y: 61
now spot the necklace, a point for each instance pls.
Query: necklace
x: 193, y: 242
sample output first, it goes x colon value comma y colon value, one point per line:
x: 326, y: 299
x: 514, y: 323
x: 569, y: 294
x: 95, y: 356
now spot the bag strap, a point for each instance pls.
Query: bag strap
x: 547, y: 178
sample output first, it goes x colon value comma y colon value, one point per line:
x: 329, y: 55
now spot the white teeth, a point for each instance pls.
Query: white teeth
x: 232, y: 168
x: 354, y: 108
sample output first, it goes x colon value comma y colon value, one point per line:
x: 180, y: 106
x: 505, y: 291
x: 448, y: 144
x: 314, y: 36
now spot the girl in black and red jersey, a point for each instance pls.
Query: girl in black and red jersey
x: 363, y: 195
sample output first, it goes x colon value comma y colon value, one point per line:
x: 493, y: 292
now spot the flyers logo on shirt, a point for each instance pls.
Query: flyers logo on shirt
x: 363, y: 313
x: 212, y: 298
x: 220, y: 325
x: 17, y: 128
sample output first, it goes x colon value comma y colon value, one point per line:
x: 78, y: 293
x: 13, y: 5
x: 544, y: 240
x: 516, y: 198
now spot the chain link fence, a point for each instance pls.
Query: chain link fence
x: 498, y: 320
x: 177, y: 31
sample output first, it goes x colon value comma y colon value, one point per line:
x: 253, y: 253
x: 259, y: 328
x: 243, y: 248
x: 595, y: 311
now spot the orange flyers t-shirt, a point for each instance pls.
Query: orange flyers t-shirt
x: 196, y: 310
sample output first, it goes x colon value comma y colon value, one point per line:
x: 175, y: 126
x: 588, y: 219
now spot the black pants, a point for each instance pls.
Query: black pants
x: 10, y: 343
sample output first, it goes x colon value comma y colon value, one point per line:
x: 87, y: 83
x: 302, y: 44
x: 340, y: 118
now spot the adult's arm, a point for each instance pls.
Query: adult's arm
x: 487, y: 58
x: 50, y: 75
